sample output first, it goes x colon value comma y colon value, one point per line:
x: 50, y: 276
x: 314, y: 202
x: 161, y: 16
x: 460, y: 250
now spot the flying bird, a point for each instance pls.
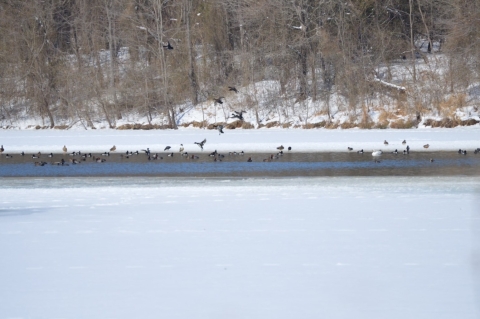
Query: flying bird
x: 219, y: 100
x: 232, y: 88
x: 168, y: 46
x: 200, y: 144
x: 167, y: 148
x: 404, y: 142
x: 113, y: 149
x: 280, y: 147
x: 350, y: 149
x: 181, y: 148
x: 220, y: 129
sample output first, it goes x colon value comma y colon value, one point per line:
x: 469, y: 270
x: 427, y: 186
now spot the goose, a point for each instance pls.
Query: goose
x: 280, y: 147
x: 113, y: 148
x: 404, y: 142
x: 385, y: 142
x: 167, y: 148
x: 219, y: 100
x: 377, y: 153
x: 232, y: 88
x: 168, y: 46
x: 426, y: 146
x: 349, y: 148
x: 1, y: 149
x: 200, y: 144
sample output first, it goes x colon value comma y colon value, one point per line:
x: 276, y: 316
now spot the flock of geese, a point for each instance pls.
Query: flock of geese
x: 78, y: 157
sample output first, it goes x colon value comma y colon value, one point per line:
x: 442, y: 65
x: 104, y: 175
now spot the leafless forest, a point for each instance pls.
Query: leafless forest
x: 82, y: 60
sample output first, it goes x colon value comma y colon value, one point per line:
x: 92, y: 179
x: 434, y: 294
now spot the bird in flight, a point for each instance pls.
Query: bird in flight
x: 232, y: 88
x: 200, y: 144
x: 168, y: 46
x: 113, y: 149
x: 167, y: 148
x: 219, y: 100
x: 220, y: 129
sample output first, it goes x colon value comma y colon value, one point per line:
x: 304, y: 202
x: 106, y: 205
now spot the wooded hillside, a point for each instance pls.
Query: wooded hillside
x: 70, y: 60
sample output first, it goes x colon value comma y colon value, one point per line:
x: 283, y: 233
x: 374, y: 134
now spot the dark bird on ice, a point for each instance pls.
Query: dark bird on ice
x: 200, y: 144
x: 350, y: 149
x: 1, y: 149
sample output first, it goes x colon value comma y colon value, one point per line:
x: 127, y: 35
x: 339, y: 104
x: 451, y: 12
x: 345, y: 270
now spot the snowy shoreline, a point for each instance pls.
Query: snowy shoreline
x: 253, y: 141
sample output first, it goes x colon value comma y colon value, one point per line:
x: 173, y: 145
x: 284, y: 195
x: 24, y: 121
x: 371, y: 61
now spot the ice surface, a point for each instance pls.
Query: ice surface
x: 262, y: 140
x: 383, y: 247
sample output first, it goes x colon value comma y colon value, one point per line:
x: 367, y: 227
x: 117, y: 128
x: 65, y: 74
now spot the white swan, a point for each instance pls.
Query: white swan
x: 377, y: 153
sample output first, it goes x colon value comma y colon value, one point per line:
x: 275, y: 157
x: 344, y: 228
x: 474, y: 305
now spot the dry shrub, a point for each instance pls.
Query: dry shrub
x: 213, y: 126
x: 272, y: 124
x: 332, y: 125
x: 403, y: 124
x: 348, y: 124
x: 381, y: 125
x: 125, y: 127
x: 286, y: 125
x: 314, y: 125
x: 449, y: 107
x: 61, y: 127
x: 469, y: 122
x: 247, y: 126
x: 383, y: 117
x: 234, y: 125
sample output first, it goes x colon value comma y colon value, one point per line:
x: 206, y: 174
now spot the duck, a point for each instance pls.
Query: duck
x: 405, y: 152
x: 464, y: 152
x: 395, y: 152
x: 385, y: 142
x: 22, y: 153
x: 106, y: 154
x: 376, y: 161
x: 74, y: 161
x: 289, y: 148
x: 432, y: 160
x: 185, y: 154
x: 50, y: 155
x: 8, y: 156
x: 360, y: 152
x: 100, y: 160
x: 1, y: 149
x: 170, y: 155
x: 404, y: 142
x: 168, y: 46
x: 219, y: 100
x: 280, y: 147
x: 113, y: 148
x: 249, y: 159
x: 408, y: 149
x: 350, y: 148
x: 200, y: 144
x: 213, y: 153
x: 426, y: 146
x: 39, y: 163
x: 220, y: 129
x: 377, y: 153
x: 35, y: 156
x: 242, y: 153
x: 194, y: 157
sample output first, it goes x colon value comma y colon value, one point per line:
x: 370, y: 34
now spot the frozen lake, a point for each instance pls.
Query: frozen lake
x: 152, y: 247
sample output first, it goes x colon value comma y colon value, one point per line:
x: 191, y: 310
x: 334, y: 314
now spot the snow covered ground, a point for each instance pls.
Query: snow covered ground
x: 258, y: 248
x: 261, y: 140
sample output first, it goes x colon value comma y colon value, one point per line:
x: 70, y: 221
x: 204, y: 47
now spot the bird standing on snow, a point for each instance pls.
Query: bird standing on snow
x: 280, y: 147
x: 426, y: 146
x: 385, y: 142
x: 64, y: 149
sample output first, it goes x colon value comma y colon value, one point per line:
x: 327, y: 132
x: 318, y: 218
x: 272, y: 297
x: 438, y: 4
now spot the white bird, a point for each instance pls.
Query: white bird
x: 377, y: 153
